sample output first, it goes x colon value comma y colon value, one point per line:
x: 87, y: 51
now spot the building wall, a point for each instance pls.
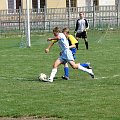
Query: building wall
x: 56, y: 3
x: 106, y: 2
x: 3, y: 4
x: 24, y: 4
x: 80, y: 3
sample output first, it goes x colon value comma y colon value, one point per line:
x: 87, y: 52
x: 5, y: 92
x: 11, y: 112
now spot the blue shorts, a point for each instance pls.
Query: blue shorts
x: 66, y: 56
x: 73, y: 52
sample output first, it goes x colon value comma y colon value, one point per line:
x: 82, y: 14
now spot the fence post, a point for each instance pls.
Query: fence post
x: 19, y: 17
x: 118, y: 16
x: 49, y: 26
x: 0, y: 23
x: 93, y: 15
x: 69, y: 14
x: 45, y: 17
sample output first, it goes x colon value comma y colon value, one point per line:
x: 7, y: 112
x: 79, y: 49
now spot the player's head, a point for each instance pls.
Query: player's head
x: 56, y: 30
x: 81, y: 14
x: 65, y: 31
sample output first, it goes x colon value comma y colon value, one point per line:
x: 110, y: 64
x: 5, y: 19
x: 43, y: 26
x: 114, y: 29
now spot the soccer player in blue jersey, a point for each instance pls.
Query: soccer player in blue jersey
x: 66, y: 55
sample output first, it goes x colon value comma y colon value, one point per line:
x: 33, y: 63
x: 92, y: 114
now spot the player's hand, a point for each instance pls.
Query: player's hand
x: 60, y: 53
x: 86, y: 29
x: 46, y: 50
x: 75, y: 33
x: 49, y: 39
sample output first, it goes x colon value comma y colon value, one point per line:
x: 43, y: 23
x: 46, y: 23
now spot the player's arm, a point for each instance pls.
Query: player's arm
x: 86, y: 25
x: 50, y: 45
x: 77, y: 24
x: 54, y: 38
x: 72, y: 46
x: 73, y: 41
x: 76, y: 27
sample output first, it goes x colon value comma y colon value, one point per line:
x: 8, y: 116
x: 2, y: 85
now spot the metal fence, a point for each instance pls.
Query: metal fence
x: 46, y: 19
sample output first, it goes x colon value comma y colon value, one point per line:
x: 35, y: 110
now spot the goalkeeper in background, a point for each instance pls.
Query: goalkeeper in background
x: 80, y: 30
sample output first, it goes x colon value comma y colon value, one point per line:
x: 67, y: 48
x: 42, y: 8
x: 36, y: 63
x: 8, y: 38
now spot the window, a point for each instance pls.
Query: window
x: 13, y: 5
x: 34, y: 4
x: 37, y: 4
x: 72, y: 3
x: 42, y: 3
x: 18, y: 4
x: 88, y: 2
x: 117, y: 2
x: 96, y: 3
x: 10, y: 6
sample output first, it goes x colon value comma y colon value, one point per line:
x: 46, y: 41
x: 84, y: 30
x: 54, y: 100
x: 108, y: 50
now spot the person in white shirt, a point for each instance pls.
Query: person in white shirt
x: 66, y: 55
x: 80, y: 30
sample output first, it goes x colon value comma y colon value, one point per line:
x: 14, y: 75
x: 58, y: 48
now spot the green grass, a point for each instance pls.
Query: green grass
x: 80, y: 98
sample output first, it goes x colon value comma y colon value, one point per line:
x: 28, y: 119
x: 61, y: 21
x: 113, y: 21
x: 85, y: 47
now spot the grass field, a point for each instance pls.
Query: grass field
x: 80, y: 98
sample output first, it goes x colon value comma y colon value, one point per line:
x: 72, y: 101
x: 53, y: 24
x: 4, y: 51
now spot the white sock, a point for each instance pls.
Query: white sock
x: 83, y: 68
x: 53, y: 73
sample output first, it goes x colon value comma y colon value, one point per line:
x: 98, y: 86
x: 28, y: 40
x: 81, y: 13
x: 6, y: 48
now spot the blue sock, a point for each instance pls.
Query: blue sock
x: 84, y: 64
x: 66, y: 71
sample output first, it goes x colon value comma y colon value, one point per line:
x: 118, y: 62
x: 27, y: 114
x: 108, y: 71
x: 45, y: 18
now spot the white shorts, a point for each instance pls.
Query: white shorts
x: 66, y: 56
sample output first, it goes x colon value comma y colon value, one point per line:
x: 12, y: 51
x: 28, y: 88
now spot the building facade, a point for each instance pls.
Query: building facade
x: 37, y: 4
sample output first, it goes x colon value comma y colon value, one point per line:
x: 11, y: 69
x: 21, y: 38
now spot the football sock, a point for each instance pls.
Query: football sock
x: 86, y: 43
x: 83, y: 68
x: 84, y: 64
x: 77, y: 45
x: 53, y: 73
x: 66, y: 71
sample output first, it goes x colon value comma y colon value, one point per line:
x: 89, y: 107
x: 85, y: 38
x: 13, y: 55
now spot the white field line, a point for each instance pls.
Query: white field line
x: 114, y: 76
x: 14, y: 78
x: 45, y: 54
x: 103, y: 36
x: 20, y: 78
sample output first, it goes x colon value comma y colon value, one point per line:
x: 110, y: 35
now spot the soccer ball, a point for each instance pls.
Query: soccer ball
x: 42, y: 77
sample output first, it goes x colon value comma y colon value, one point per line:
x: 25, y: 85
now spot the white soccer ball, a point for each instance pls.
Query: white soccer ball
x: 42, y: 77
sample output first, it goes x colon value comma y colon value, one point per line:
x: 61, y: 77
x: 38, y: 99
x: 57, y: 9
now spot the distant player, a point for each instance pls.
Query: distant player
x: 80, y: 30
x: 66, y: 55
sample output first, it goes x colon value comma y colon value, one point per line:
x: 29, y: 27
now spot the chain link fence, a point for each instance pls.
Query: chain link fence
x: 45, y: 19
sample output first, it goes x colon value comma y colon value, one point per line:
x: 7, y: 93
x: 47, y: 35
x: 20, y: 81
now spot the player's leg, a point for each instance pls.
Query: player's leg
x: 54, y: 70
x: 78, y: 66
x: 86, y: 65
x: 78, y: 35
x: 84, y: 36
x: 66, y: 72
x: 77, y: 43
x: 86, y: 43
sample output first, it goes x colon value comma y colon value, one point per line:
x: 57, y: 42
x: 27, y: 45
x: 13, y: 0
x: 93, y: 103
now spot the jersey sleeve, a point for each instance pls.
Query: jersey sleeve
x: 77, y: 25
x: 86, y: 23
x: 72, y: 39
x: 54, y: 41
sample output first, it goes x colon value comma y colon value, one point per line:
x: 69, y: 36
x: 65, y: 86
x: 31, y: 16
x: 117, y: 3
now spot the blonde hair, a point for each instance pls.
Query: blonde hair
x: 65, y: 30
x: 56, y: 29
